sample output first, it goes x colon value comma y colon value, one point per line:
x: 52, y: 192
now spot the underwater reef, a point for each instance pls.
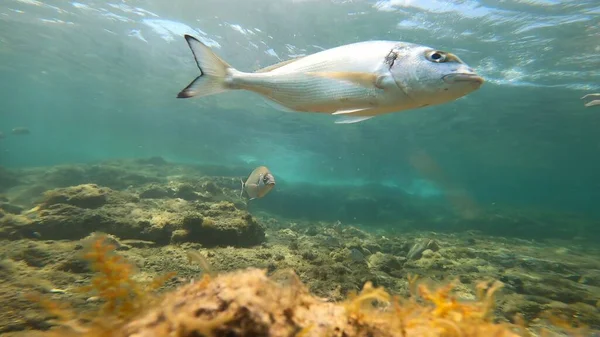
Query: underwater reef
x: 250, y: 303
x: 155, y: 213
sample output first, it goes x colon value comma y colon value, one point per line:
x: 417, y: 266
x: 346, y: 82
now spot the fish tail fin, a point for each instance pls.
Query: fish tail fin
x: 242, y: 191
x: 213, y: 71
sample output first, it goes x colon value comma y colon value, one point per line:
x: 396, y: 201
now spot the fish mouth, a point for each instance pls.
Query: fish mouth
x: 463, y: 77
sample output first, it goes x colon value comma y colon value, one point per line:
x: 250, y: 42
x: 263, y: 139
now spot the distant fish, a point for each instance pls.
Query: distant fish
x: 593, y: 102
x: 1, y: 135
x: 20, y: 131
x: 259, y: 183
x: 356, y: 81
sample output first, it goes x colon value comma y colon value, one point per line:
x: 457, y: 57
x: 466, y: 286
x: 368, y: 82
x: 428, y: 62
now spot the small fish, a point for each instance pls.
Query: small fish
x: 20, y: 131
x: 355, y: 81
x: 592, y: 102
x: 1, y: 135
x: 196, y: 257
x: 259, y: 183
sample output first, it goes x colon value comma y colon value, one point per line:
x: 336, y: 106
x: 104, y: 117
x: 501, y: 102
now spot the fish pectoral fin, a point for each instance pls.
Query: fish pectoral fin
x: 350, y: 111
x: 368, y: 80
x: 593, y: 103
x: 352, y: 119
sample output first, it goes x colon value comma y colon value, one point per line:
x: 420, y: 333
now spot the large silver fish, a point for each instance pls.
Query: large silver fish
x: 259, y: 183
x: 355, y: 81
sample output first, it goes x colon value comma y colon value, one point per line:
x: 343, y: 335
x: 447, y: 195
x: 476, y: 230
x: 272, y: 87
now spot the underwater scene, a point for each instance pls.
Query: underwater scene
x: 299, y: 168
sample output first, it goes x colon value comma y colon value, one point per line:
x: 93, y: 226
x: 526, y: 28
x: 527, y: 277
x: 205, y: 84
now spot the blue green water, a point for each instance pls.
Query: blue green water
x: 96, y: 80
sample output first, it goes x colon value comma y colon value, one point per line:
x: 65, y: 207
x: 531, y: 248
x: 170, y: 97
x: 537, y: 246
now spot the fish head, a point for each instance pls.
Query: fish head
x: 265, y: 184
x: 430, y: 76
x: 268, y: 180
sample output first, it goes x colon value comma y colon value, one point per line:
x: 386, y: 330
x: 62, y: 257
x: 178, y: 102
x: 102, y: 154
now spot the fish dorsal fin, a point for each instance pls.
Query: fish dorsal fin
x: 277, y: 65
x: 368, y: 80
x: 352, y: 119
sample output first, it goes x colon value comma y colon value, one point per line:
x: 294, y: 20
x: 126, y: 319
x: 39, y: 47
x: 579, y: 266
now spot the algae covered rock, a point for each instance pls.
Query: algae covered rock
x: 418, y: 248
x: 249, y: 303
x: 385, y: 262
x: 156, y: 191
x: 73, y: 212
x: 223, y: 224
x: 83, y: 196
x: 10, y: 208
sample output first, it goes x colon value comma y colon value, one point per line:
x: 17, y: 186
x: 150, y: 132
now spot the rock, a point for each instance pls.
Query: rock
x: 64, y: 175
x: 224, y: 227
x: 418, y: 248
x: 248, y: 303
x: 427, y: 253
x: 138, y: 243
x: 75, y: 264
x: 308, y: 255
x: 10, y: 208
x: 157, y: 160
x: 187, y: 192
x: 63, y: 221
x: 82, y: 196
x: 515, y: 304
x: 179, y: 236
x: 74, y: 212
x: 354, y: 233
x: 514, y: 282
x: 211, y: 188
x: 372, y: 247
x: 385, y: 262
x: 156, y: 192
x: 311, y: 231
x: 34, y: 256
x: 356, y: 255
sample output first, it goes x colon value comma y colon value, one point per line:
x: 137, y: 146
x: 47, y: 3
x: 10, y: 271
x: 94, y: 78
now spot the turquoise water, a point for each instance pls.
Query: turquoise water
x: 96, y: 80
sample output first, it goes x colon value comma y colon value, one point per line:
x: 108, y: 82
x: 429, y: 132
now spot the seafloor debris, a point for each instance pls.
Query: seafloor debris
x: 249, y: 303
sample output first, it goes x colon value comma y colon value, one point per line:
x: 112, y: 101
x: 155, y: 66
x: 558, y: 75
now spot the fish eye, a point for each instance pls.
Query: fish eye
x: 437, y: 56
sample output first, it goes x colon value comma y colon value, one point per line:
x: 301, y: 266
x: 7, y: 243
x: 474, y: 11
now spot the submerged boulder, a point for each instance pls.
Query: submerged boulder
x: 74, y: 212
x: 223, y: 225
x: 83, y: 196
